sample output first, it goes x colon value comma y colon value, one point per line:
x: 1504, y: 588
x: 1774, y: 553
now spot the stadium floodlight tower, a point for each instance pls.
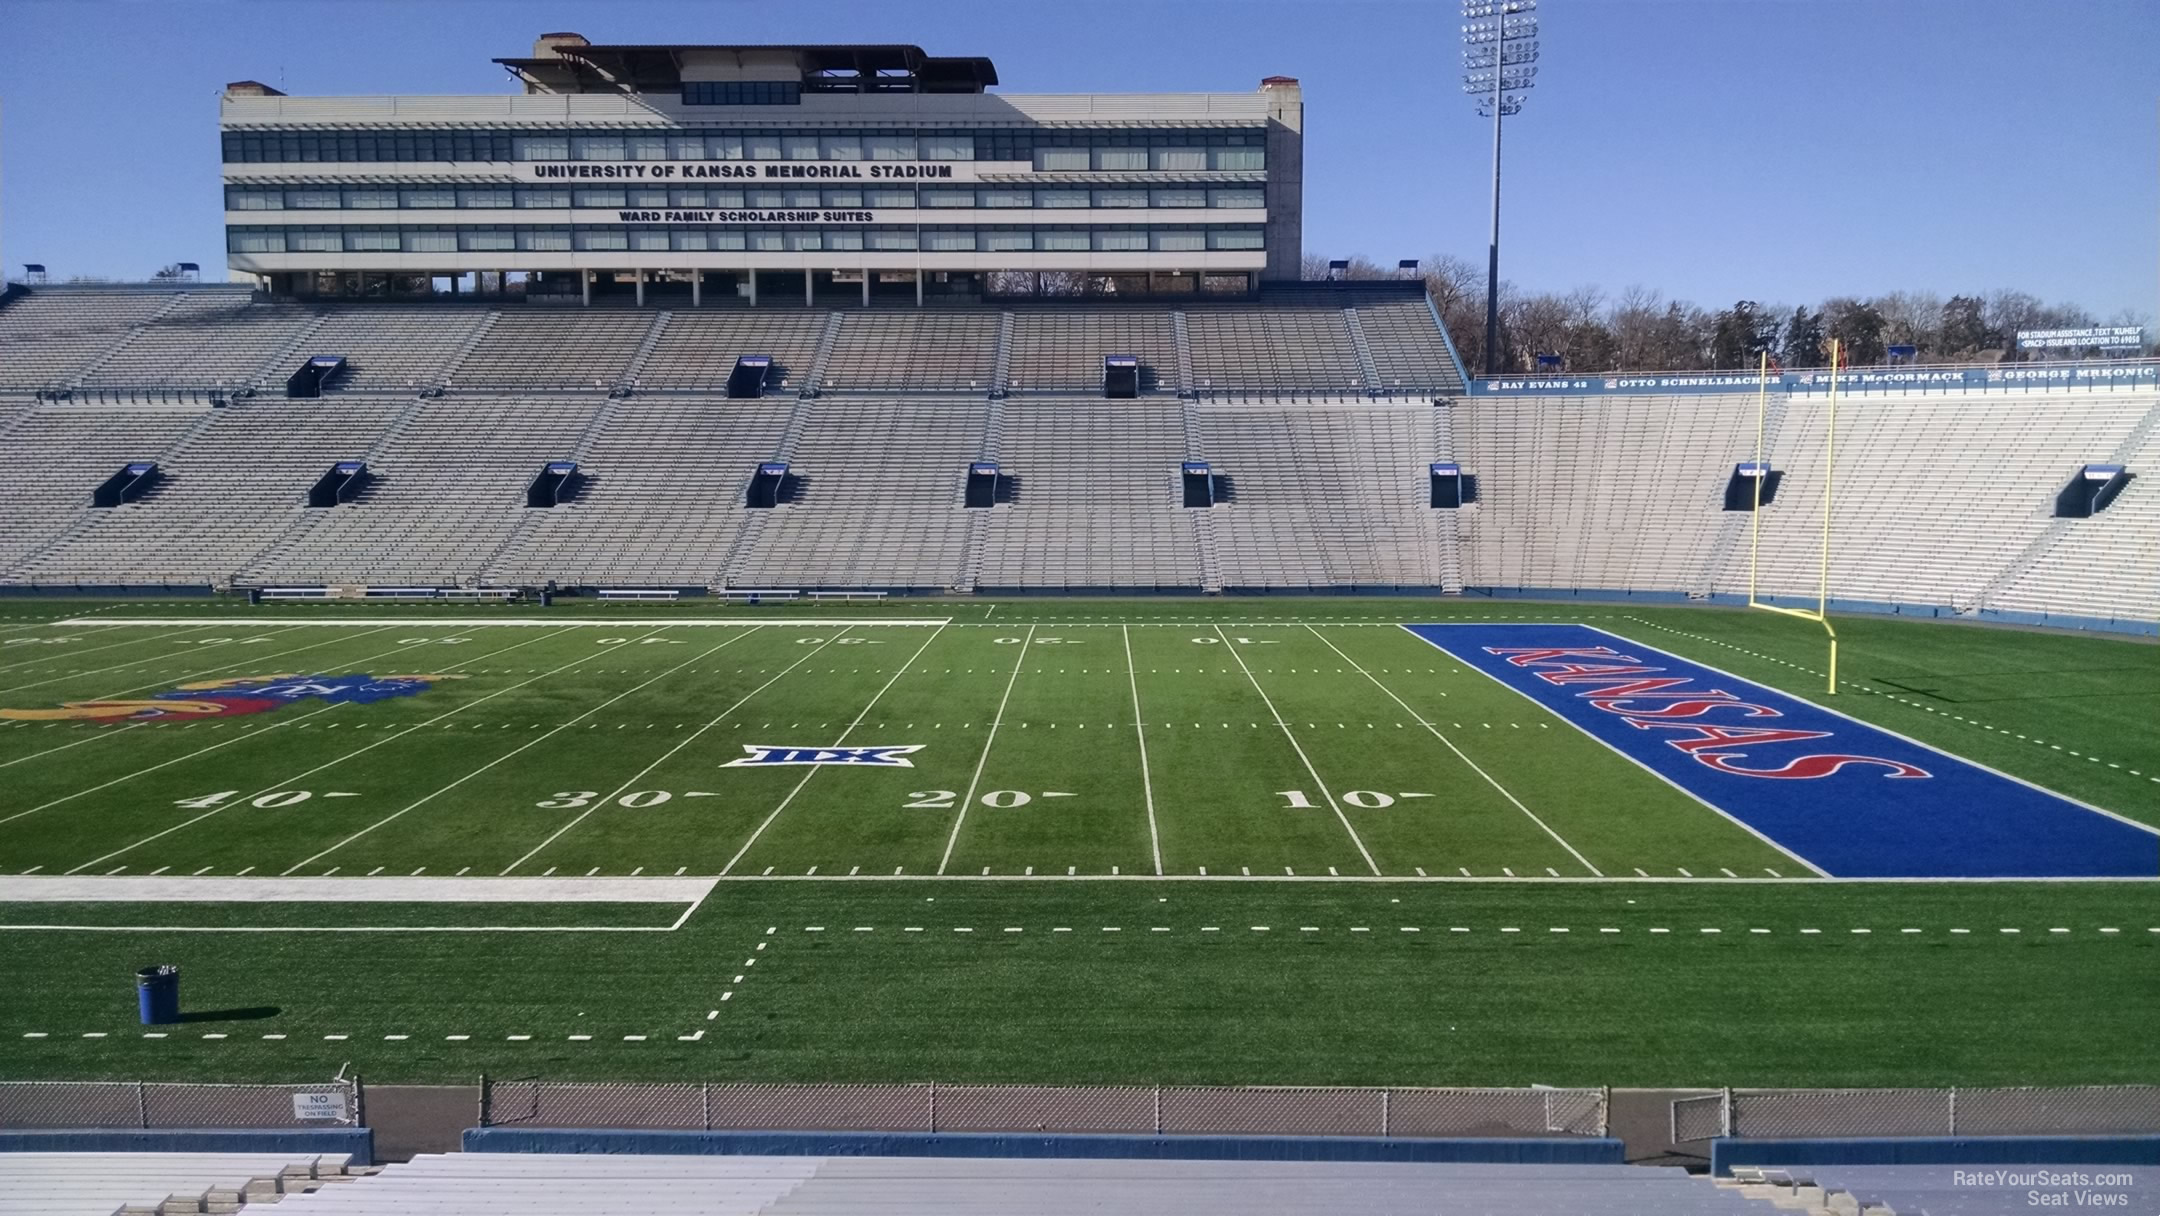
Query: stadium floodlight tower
x: 1500, y: 51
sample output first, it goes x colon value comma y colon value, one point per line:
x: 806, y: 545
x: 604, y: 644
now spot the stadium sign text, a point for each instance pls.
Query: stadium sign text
x: 764, y: 170
x: 712, y: 215
x: 2000, y: 376
x: 2102, y: 337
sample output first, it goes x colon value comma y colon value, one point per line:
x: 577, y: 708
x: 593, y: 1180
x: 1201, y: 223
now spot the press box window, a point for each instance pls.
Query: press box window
x: 742, y: 92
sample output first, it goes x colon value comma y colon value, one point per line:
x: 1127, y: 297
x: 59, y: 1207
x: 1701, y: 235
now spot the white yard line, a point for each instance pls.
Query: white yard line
x: 1317, y: 782
x: 1450, y: 743
x: 535, y: 742
x: 54, y: 888
x: 243, y: 737
x: 815, y: 769
x: 287, y: 781
x: 89, y: 738
x: 50, y: 655
x: 984, y: 759
x: 518, y: 622
x: 1147, y: 783
x: 253, y: 659
x: 670, y: 753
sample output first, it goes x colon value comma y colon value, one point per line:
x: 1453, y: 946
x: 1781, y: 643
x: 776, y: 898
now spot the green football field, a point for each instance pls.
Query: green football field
x: 1269, y: 841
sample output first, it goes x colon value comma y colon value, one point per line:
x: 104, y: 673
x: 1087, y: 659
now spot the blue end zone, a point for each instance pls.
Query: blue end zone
x: 1853, y: 800
x: 1555, y: 1150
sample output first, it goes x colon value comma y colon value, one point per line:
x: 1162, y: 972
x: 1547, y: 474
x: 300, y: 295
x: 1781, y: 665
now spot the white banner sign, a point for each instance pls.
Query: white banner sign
x: 2105, y: 336
x: 765, y: 170
x: 323, y: 1104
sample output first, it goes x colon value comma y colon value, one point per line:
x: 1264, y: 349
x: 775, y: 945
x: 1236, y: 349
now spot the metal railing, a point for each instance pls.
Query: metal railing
x: 1132, y: 1110
x: 2090, y: 1110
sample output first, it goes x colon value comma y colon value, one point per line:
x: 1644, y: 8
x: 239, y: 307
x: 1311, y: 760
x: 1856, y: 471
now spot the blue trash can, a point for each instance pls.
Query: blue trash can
x: 157, y: 994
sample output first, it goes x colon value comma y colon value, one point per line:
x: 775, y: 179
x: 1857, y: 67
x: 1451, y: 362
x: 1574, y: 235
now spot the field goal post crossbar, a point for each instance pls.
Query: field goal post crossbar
x: 1820, y: 614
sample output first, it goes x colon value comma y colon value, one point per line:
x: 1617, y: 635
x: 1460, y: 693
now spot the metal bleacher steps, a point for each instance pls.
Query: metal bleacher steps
x: 1900, y: 1190
x: 1060, y: 350
x: 879, y: 499
x: 1292, y: 348
x: 57, y: 453
x: 698, y: 349
x: 142, y: 1184
x: 390, y: 349
x: 1933, y: 494
x: 207, y: 341
x: 2109, y: 563
x: 1094, y: 498
x: 231, y: 487
x: 449, y: 490
x: 469, y: 1184
x: 1320, y: 407
x: 892, y: 349
x: 664, y: 502
x: 555, y: 350
x: 55, y: 311
x: 1409, y: 350
x: 1325, y: 495
x: 1619, y: 493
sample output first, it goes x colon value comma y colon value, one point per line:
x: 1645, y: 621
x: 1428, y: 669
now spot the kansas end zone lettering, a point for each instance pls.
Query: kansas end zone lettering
x: 1851, y: 799
x: 1721, y: 747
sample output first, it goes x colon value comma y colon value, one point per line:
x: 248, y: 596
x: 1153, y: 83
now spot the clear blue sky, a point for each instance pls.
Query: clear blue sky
x: 1781, y: 150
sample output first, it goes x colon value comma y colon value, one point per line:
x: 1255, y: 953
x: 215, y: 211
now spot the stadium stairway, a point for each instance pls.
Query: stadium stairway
x: 163, y: 1184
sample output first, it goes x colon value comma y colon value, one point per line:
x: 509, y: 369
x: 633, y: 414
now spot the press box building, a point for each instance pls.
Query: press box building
x: 783, y: 174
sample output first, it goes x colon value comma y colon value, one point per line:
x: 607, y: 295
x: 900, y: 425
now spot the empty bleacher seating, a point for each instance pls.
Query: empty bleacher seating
x: 544, y: 349
x: 697, y: 350
x: 1095, y: 498
x: 1290, y: 348
x: 880, y: 501
x: 391, y: 349
x: 1327, y: 497
x: 1323, y: 433
x: 1062, y: 349
x: 450, y: 481
x: 664, y: 502
x: 910, y: 349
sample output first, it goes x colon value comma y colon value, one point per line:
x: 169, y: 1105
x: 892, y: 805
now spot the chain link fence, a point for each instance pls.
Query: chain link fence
x: 1166, y: 1110
x: 2092, y: 1110
x: 156, y: 1104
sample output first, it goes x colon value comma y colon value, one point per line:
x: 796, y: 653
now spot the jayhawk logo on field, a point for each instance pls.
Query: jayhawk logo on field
x: 231, y: 698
